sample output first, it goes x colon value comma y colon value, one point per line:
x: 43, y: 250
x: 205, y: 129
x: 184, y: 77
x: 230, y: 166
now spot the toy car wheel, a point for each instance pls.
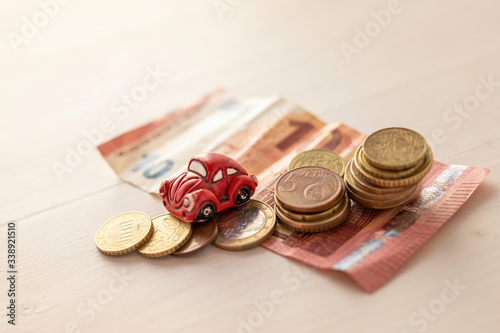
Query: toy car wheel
x: 242, y: 196
x: 206, y: 212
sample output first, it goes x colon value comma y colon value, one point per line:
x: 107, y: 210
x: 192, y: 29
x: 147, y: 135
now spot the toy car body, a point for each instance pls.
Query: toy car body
x: 212, y: 183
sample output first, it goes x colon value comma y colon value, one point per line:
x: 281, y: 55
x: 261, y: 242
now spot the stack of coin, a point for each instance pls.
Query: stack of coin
x: 387, y: 168
x: 311, y: 199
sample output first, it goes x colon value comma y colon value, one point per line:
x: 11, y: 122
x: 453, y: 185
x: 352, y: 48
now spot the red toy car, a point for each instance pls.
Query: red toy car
x: 212, y: 183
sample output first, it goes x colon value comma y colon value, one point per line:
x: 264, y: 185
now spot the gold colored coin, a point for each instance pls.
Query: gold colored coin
x: 354, y: 187
x: 364, y: 184
x: 403, y: 182
x: 316, y: 226
x: 394, y: 148
x: 170, y: 234
x: 244, y: 227
x: 385, y: 174
x: 123, y: 233
x: 311, y: 217
x: 319, y: 157
x: 380, y: 204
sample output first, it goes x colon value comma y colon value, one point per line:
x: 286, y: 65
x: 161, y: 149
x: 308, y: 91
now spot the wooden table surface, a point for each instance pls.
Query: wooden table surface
x: 433, y: 66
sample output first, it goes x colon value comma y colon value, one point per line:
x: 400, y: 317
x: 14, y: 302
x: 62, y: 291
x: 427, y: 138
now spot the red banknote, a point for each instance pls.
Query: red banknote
x: 264, y: 134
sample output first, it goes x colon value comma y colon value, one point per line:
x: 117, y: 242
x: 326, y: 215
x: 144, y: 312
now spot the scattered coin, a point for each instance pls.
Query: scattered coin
x: 319, y: 157
x: 170, y: 234
x: 244, y: 227
x: 309, y: 189
x: 203, y: 235
x: 124, y: 233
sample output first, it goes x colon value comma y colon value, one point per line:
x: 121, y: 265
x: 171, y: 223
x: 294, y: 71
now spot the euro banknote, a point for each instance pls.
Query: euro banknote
x: 263, y: 135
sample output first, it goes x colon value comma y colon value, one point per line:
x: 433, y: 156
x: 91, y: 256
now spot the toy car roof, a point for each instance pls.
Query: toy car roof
x: 216, y: 161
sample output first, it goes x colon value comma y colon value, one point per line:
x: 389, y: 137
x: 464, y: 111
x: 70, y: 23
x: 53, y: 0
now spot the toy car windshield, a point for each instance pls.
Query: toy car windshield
x: 198, y: 167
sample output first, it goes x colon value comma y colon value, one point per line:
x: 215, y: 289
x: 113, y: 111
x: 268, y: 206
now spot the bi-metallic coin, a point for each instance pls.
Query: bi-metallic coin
x: 244, y: 227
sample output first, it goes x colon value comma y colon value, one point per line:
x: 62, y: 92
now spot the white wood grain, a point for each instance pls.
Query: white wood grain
x: 65, y: 80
